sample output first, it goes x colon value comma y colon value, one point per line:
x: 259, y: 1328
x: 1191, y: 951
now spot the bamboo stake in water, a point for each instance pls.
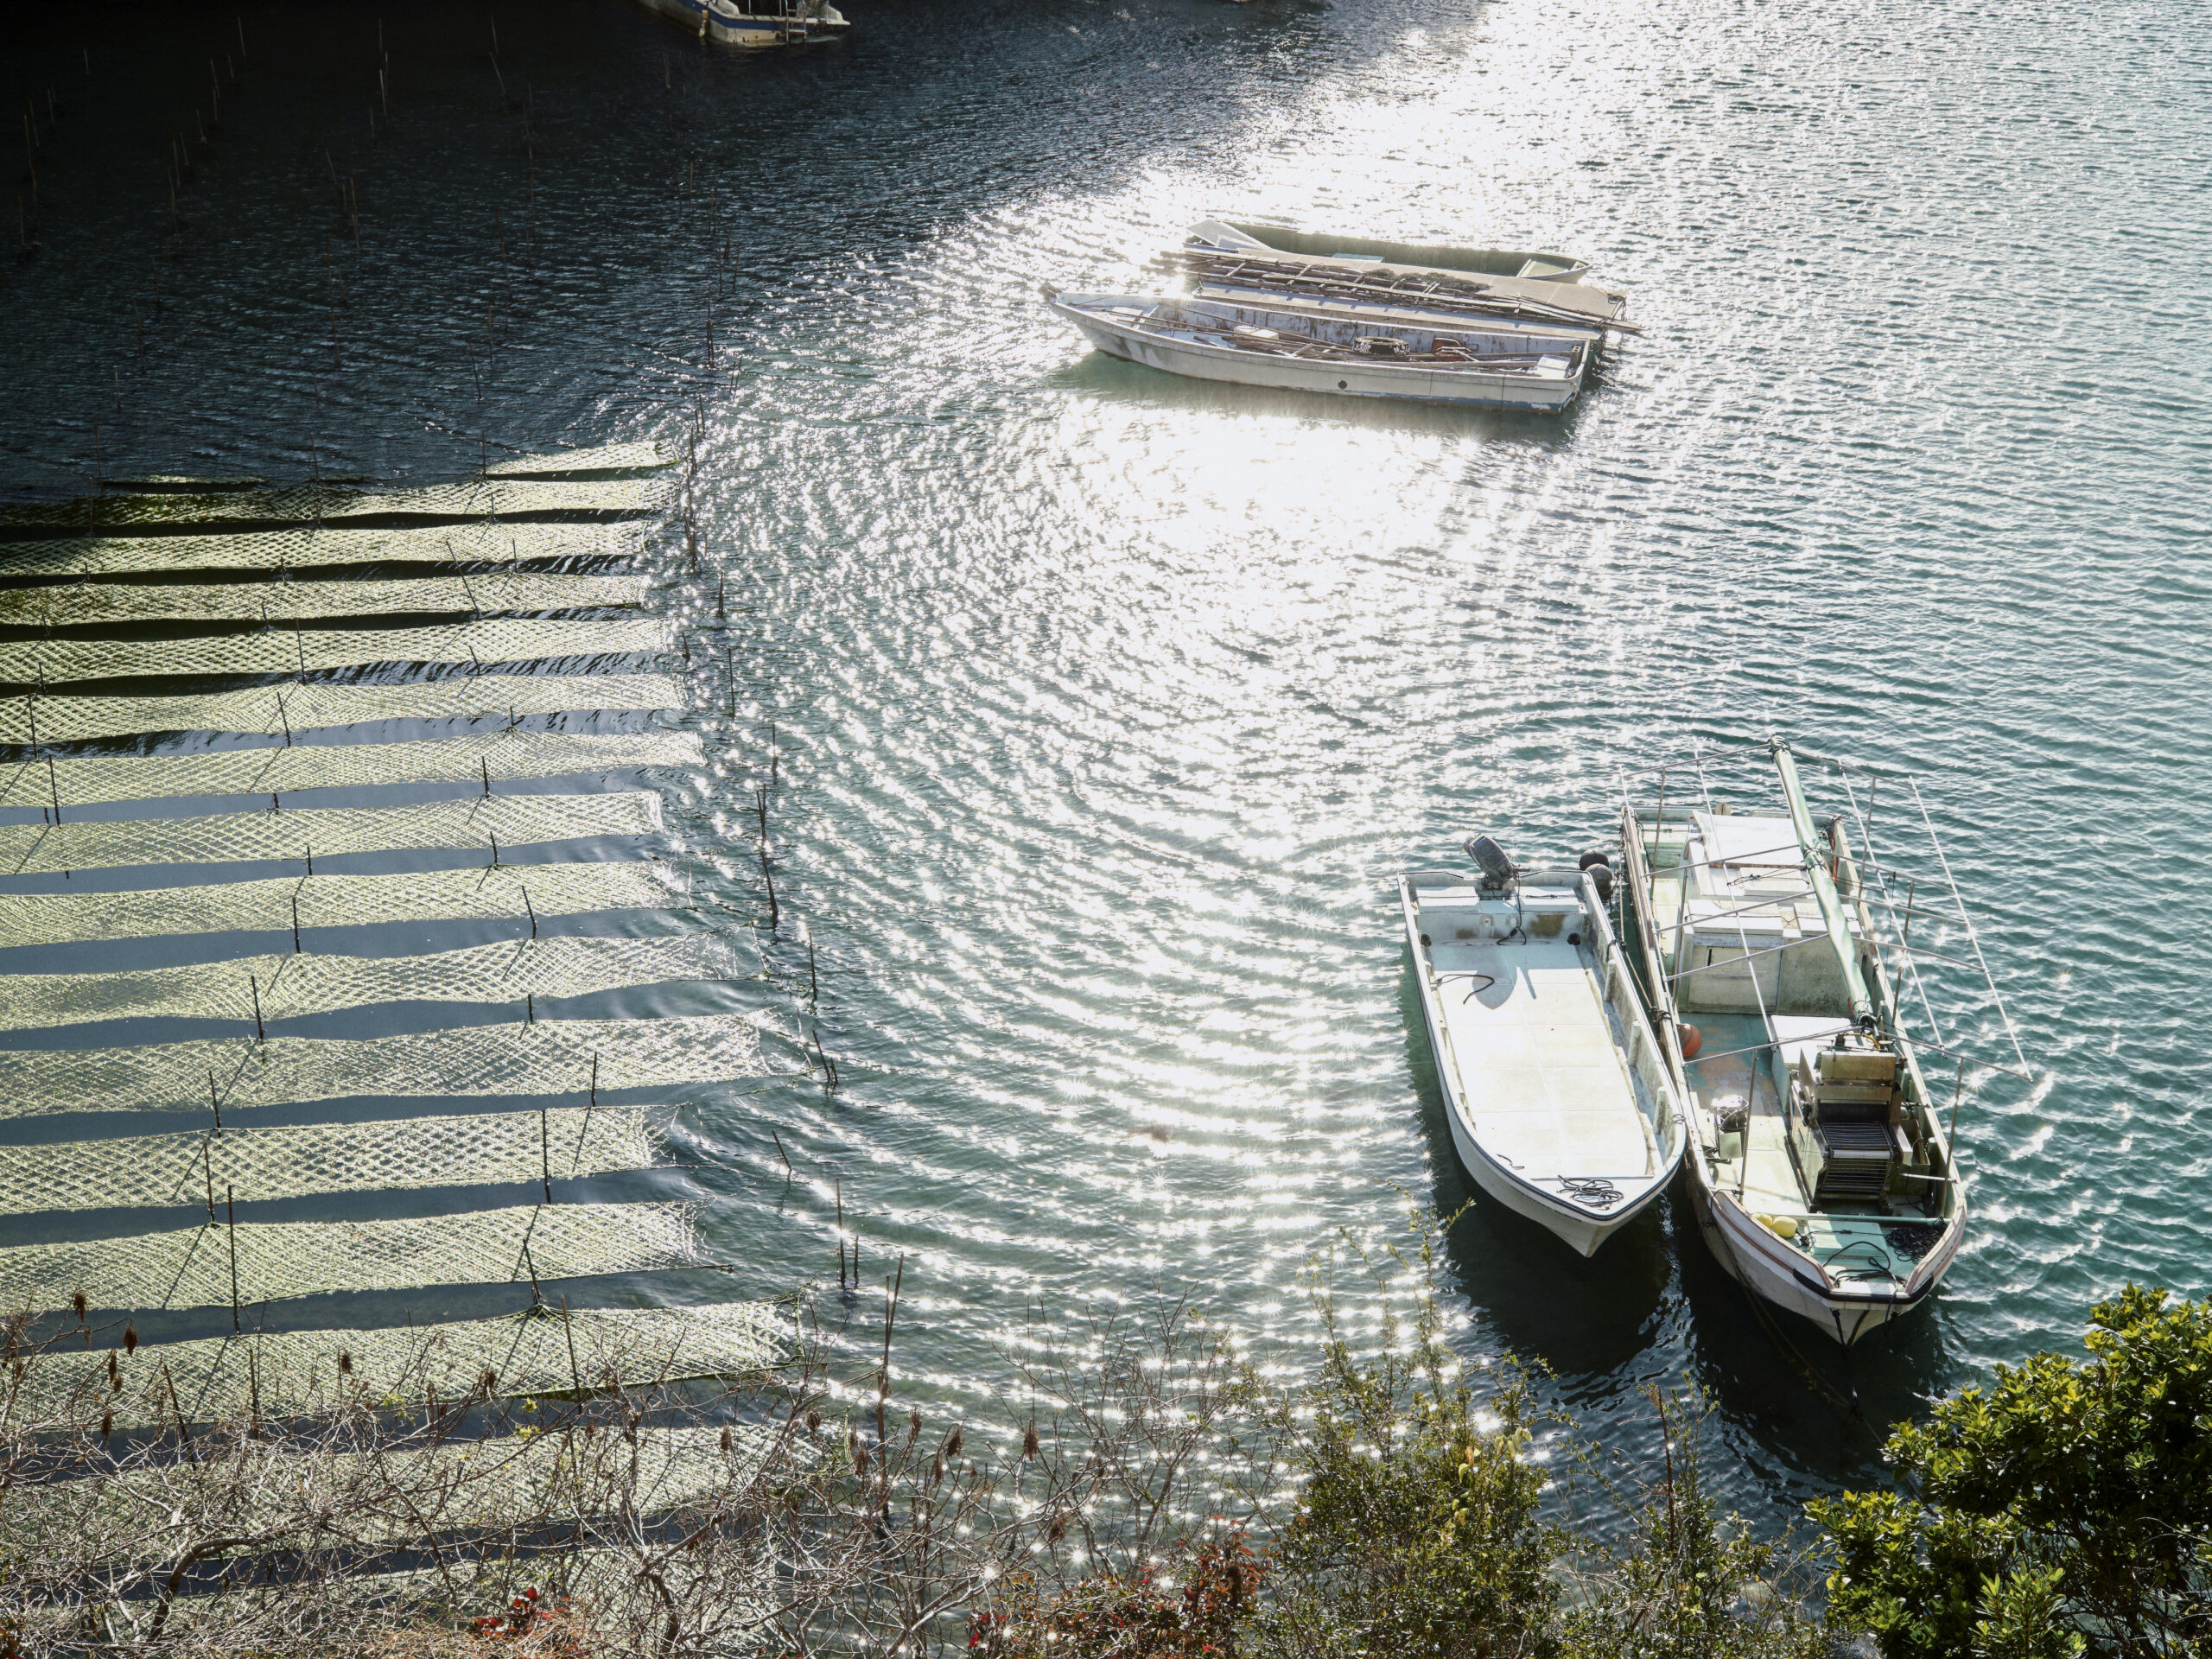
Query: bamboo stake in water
x: 229, y: 1207
x: 883, y: 1373
x: 576, y: 1159
x: 767, y: 877
x: 576, y: 1373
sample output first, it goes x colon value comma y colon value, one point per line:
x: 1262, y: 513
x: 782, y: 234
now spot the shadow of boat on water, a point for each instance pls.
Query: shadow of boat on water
x: 1583, y: 1316
x: 1793, y: 1387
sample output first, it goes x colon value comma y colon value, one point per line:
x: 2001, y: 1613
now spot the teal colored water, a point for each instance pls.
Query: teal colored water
x: 1108, y: 706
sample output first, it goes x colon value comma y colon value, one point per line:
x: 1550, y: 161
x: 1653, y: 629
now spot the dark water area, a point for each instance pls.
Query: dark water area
x: 1108, y: 706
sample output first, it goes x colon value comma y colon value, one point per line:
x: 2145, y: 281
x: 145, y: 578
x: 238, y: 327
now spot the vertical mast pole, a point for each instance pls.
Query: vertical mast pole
x: 1817, y: 871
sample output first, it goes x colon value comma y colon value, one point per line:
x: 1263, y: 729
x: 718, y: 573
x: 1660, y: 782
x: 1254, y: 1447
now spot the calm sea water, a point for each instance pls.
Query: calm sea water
x: 1108, y: 706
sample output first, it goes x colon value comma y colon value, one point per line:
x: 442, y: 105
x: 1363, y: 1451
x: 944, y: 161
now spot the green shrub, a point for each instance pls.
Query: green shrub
x: 1417, y: 1532
x: 1688, y: 1583
x: 2061, y: 1509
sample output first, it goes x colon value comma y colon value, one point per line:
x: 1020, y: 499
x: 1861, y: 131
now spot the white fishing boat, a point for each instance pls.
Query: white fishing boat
x: 1544, y: 295
x: 1277, y: 343
x: 756, y: 23
x: 1776, y: 954
x: 1561, y: 1102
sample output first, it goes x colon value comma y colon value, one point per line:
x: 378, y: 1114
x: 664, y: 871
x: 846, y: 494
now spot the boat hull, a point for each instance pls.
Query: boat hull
x: 1580, y: 1232
x: 1583, y: 1229
x: 1335, y: 379
x: 1770, y: 1269
x: 1529, y: 264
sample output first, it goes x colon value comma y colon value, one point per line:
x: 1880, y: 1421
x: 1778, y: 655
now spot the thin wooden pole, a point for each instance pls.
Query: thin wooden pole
x: 231, y: 1209
x: 575, y: 1373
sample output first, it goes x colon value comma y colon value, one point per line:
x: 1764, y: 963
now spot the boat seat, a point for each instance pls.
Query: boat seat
x: 1852, y: 1106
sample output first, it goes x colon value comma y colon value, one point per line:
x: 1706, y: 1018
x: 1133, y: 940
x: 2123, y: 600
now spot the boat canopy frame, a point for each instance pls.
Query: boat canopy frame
x: 1879, y: 878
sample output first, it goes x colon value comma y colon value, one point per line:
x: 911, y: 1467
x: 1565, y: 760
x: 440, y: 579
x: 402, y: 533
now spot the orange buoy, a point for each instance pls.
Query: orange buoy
x: 1693, y: 1039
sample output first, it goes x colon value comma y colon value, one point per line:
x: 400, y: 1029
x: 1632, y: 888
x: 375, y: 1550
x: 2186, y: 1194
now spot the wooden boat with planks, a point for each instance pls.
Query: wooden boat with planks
x: 1292, y: 348
x: 1222, y: 261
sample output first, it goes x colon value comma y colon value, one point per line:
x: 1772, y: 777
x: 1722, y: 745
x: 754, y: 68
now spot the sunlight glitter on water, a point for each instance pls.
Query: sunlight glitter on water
x: 1109, y: 705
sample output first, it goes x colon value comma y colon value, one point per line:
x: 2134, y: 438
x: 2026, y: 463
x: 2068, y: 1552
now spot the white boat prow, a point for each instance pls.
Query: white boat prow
x: 1559, y: 1101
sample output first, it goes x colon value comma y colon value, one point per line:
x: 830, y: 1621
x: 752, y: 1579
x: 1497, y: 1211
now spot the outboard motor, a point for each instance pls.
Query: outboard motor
x: 1497, y: 869
x: 1599, y: 867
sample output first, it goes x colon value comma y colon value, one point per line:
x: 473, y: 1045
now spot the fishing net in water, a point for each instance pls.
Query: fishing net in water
x: 511, y: 893
x: 304, y: 833
x: 309, y: 548
x: 295, y: 1373
x: 605, y: 458
x: 87, y: 603
x: 548, y: 1475
x: 490, y: 757
x: 546, y: 1056
x: 257, y: 990
x: 164, y: 1171
x: 287, y: 710
x: 191, y: 1266
x: 525, y: 1486
x: 594, y: 1577
x: 304, y: 504
x: 507, y: 639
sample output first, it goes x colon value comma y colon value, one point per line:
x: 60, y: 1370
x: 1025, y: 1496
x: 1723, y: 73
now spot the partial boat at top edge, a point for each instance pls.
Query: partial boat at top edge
x: 756, y: 24
x: 1561, y: 1104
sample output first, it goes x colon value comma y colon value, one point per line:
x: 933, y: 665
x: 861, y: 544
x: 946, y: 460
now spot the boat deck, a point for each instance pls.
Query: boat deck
x: 1758, y: 1173
x: 1539, y: 1066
